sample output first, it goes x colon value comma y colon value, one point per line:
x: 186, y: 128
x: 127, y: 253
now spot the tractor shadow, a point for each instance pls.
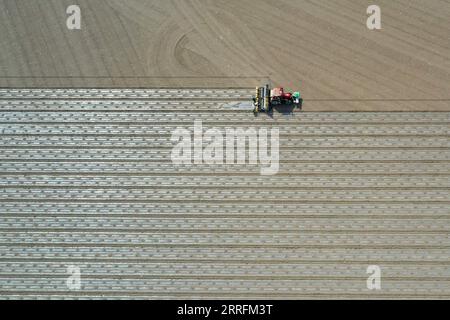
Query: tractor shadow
x: 285, y: 109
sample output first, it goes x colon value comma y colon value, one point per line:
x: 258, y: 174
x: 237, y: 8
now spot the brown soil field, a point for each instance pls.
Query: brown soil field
x: 321, y: 47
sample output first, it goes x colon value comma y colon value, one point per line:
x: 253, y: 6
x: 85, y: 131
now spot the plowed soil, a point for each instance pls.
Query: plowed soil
x: 321, y: 47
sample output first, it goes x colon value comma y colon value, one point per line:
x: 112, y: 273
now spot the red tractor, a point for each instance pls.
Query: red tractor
x: 265, y: 99
x: 278, y: 96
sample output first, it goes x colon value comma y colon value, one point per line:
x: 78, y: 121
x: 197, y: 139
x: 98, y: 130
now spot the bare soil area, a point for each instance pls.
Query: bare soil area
x: 321, y: 47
